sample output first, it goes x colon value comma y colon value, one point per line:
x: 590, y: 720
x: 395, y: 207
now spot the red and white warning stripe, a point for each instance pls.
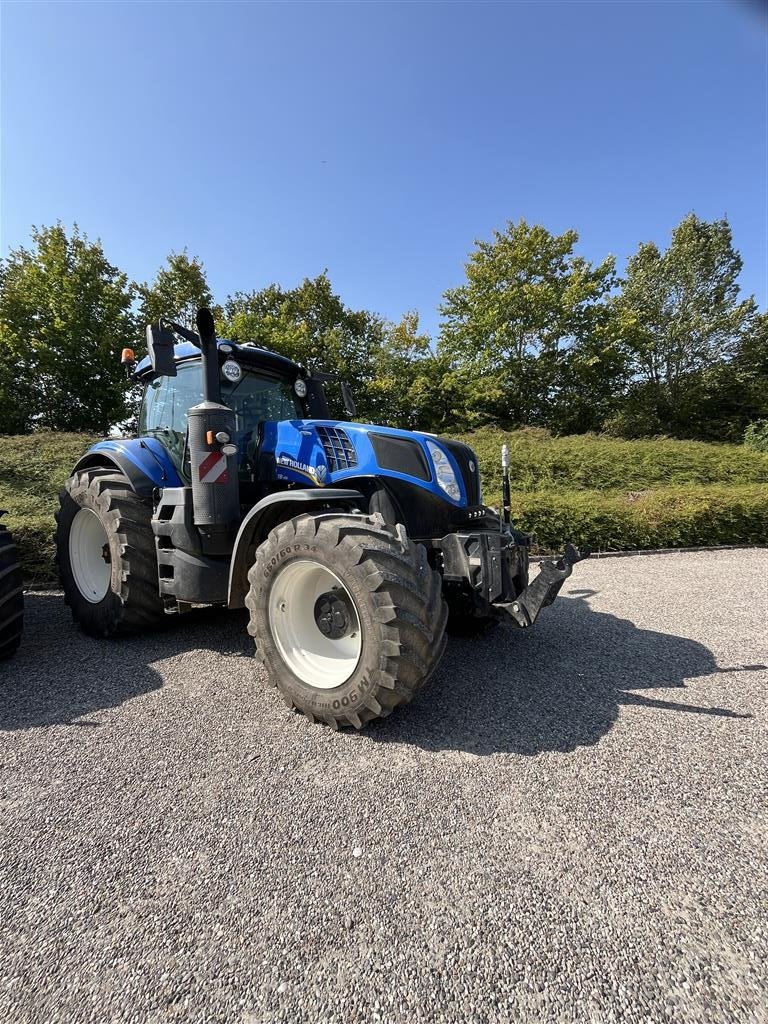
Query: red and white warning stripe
x: 212, y: 468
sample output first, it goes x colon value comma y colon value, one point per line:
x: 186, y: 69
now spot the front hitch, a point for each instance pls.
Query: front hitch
x: 525, y: 609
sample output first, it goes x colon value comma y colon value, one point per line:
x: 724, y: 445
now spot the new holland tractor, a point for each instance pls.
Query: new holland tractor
x: 11, y: 595
x: 350, y: 544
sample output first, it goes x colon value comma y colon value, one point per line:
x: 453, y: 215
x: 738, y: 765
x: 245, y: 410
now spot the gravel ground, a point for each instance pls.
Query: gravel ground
x: 568, y: 825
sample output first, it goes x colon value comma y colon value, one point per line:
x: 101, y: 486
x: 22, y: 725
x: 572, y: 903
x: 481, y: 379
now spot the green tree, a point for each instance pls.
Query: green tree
x: 179, y: 289
x: 311, y: 325
x: 65, y: 314
x: 679, y: 316
x: 528, y: 300
x: 721, y: 400
x: 591, y: 380
x: 411, y: 384
x: 751, y: 354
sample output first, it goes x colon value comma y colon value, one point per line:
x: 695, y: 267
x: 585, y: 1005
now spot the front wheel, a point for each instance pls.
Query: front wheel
x: 347, y: 614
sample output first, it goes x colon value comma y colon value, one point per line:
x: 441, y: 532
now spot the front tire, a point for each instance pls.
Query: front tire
x: 11, y: 596
x: 347, y: 614
x: 105, y: 549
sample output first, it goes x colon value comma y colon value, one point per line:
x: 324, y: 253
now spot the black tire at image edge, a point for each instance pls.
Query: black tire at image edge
x: 11, y: 596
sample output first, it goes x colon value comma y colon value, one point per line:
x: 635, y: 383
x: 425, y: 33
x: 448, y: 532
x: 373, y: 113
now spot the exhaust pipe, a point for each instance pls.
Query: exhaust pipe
x: 213, y: 453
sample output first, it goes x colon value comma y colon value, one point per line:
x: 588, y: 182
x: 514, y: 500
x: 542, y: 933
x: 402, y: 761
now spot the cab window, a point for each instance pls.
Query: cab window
x: 253, y: 399
x: 164, y: 409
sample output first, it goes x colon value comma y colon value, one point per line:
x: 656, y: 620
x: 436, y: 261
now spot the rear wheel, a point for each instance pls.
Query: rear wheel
x: 347, y: 614
x: 106, y: 554
x: 11, y: 596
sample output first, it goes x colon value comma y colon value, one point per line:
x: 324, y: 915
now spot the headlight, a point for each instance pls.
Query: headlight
x: 444, y: 471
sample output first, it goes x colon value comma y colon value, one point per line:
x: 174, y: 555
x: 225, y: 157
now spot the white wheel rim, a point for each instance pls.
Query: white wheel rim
x: 316, y: 659
x: 88, y: 542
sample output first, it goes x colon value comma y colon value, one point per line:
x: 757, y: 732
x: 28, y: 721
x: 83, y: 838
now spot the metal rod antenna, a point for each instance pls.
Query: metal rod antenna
x: 505, y: 498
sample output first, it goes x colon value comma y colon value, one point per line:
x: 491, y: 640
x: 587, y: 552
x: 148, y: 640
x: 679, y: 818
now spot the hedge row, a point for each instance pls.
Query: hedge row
x: 605, y: 518
x: 668, y: 517
x: 540, y: 462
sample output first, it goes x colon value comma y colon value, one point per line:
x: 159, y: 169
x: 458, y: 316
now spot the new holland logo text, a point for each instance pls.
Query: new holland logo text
x: 315, y: 473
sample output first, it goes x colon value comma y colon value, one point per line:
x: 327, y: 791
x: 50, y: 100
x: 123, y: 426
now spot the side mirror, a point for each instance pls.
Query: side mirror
x: 160, y: 349
x: 347, y: 399
x: 316, y: 399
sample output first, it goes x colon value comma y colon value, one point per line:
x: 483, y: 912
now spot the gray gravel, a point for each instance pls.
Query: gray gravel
x: 568, y: 825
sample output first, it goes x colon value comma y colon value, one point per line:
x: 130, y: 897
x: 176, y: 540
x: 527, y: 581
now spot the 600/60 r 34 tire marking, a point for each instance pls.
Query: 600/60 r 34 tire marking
x: 371, y: 591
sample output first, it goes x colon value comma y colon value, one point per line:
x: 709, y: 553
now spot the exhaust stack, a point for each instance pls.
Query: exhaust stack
x: 212, y: 452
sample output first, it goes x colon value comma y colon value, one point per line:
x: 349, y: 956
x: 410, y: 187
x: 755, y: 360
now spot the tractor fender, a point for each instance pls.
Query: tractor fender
x: 143, y: 463
x: 266, y: 514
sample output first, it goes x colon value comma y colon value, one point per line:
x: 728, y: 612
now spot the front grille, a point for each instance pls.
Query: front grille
x: 401, y: 454
x: 338, y: 449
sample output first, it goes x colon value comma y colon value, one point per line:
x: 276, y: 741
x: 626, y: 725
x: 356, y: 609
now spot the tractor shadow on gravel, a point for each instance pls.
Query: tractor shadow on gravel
x: 556, y: 687
x: 60, y: 676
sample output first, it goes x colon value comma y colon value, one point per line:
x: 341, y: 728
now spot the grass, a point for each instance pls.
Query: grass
x: 32, y: 470
x: 609, y: 494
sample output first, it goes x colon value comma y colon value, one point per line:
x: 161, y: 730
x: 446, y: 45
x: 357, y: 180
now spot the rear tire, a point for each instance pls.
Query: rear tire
x: 102, y: 518
x: 11, y: 596
x: 389, y: 600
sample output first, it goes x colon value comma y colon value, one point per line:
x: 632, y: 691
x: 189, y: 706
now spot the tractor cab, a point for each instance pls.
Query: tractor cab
x: 257, y: 385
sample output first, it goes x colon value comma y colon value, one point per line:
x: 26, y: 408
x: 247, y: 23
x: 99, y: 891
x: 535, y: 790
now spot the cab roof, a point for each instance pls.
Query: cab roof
x: 248, y: 354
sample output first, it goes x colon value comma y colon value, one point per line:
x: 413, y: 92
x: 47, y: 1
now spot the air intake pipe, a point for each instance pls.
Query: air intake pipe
x: 213, y: 453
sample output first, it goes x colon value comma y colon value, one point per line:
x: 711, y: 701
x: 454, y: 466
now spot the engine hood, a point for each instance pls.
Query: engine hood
x: 324, y: 452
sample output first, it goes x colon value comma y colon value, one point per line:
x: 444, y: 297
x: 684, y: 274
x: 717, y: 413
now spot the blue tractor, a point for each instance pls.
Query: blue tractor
x: 352, y: 546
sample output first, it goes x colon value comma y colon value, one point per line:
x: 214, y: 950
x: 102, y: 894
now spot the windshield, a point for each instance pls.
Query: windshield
x: 253, y: 399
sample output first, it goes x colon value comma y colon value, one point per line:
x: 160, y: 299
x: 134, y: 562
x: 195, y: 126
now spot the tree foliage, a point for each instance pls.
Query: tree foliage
x: 410, y: 385
x: 530, y: 315
x: 311, y: 325
x: 65, y: 314
x: 535, y: 335
x: 681, y: 321
x: 179, y: 289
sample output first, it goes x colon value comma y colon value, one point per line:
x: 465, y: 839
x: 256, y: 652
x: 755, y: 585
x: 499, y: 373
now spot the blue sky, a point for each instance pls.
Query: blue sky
x: 379, y: 140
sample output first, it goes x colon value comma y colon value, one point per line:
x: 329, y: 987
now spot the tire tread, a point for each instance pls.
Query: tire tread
x: 11, y: 595
x: 127, y: 516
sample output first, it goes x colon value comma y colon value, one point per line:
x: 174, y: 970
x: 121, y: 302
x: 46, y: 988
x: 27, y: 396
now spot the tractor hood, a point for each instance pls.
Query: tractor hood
x: 321, y: 453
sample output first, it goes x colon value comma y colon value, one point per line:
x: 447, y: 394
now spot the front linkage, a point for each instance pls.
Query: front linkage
x: 545, y: 588
x: 487, y: 571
